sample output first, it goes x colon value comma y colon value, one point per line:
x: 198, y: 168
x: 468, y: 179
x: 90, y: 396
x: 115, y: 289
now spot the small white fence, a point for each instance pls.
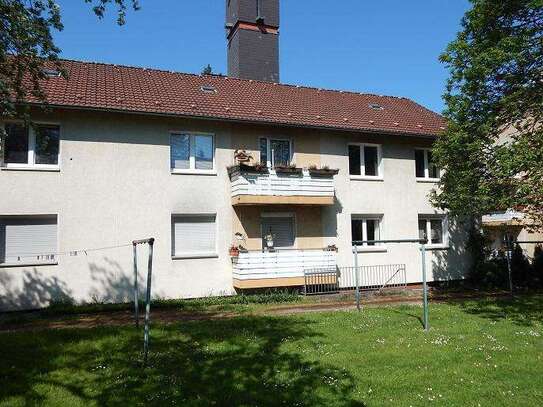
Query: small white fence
x: 274, y: 184
x: 286, y: 263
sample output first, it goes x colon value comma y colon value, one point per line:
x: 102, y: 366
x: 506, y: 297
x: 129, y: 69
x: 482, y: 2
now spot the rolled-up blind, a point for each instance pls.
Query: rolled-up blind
x: 282, y: 230
x: 27, y: 239
x: 194, y: 234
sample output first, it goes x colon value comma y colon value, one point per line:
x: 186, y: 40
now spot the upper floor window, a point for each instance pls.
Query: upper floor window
x: 192, y: 153
x: 34, y: 146
x: 433, y: 228
x: 366, y: 161
x: 425, y: 167
x: 275, y: 152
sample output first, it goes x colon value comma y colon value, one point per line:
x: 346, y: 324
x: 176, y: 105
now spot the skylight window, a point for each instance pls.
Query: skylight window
x: 51, y: 73
x: 375, y: 106
x: 208, y: 89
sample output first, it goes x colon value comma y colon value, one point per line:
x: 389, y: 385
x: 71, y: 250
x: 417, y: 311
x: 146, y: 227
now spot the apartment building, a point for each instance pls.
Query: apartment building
x: 244, y: 182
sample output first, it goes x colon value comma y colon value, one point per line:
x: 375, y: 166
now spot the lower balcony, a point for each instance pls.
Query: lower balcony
x: 279, y: 268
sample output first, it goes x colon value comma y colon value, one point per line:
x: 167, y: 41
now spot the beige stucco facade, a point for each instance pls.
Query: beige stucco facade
x: 114, y: 184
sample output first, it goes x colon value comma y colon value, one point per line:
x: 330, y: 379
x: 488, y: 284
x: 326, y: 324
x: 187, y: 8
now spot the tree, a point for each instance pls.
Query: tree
x: 208, y: 70
x: 495, y: 85
x: 26, y: 44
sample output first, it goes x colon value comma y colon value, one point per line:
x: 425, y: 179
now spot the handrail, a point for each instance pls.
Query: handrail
x: 286, y: 249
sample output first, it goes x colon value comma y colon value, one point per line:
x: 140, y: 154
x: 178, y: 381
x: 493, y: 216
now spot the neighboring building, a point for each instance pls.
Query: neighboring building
x: 127, y: 153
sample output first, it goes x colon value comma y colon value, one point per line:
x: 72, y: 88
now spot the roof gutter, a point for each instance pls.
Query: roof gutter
x: 232, y: 120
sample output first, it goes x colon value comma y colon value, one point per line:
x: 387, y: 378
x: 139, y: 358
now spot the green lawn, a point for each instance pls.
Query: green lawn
x: 487, y: 353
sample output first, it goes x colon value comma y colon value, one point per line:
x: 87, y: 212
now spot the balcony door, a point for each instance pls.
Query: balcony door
x: 275, y: 152
x: 281, y: 227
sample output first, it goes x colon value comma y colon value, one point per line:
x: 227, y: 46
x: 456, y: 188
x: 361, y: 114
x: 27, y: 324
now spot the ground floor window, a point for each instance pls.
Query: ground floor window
x: 433, y: 228
x: 194, y: 235
x: 365, y: 227
x: 28, y: 239
x: 278, y: 231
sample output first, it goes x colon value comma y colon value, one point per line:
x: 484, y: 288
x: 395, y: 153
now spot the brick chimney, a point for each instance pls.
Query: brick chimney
x: 252, y: 31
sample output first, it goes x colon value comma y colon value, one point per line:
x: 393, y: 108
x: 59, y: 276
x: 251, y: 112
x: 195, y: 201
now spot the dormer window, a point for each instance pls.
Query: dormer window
x: 51, y: 73
x: 375, y: 106
x: 208, y: 89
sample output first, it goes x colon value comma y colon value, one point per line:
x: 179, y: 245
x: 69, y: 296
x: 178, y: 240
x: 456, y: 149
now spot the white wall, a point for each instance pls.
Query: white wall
x: 115, y: 185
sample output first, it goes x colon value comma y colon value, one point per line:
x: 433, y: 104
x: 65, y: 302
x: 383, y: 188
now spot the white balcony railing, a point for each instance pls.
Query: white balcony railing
x: 273, y: 184
x: 286, y: 263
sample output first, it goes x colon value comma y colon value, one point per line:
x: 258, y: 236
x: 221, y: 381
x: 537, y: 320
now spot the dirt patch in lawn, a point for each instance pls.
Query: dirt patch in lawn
x: 338, y: 302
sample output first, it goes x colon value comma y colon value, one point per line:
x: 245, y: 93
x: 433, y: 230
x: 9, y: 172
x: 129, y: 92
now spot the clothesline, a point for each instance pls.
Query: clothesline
x: 71, y: 253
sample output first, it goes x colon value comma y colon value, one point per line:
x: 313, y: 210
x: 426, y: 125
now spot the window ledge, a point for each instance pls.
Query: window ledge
x: 195, y: 256
x: 366, y: 249
x: 428, y: 180
x: 194, y: 172
x: 30, y: 168
x: 365, y: 178
x: 28, y: 264
x: 437, y: 247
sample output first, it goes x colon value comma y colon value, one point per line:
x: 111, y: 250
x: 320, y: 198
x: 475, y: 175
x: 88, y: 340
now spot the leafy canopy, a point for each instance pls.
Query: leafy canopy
x: 26, y: 43
x: 492, y: 150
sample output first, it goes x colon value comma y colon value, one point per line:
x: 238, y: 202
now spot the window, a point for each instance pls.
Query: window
x: 433, y: 228
x: 365, y: 160
x: 366, y: 228
x: 28, y: 240
x: 425, y: 167
x: 192, y: 153
x: 36, y: 146
x: 194, y: 236
x: 275, y: 152
x: 281, y: 229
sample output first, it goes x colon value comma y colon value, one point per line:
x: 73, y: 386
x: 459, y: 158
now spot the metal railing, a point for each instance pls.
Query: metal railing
x: 372, y: 278
x: 321, y: 281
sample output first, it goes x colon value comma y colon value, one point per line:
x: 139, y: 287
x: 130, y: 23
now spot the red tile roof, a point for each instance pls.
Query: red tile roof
x: 120, y: 88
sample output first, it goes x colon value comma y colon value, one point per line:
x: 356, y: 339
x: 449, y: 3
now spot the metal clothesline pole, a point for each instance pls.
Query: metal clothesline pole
x: 423, y: 243
x: 150, y: 242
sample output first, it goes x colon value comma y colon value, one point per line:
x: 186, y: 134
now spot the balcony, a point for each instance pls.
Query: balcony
x: 263, y: 186
x: 280, y: 268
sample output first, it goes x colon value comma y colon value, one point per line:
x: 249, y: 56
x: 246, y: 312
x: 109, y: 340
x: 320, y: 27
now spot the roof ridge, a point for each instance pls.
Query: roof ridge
x: 231, y: 78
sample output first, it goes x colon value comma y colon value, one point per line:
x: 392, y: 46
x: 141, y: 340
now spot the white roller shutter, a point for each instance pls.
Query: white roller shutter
x: 282, y: 230
x: 194, y: 235
x: 27, y: 239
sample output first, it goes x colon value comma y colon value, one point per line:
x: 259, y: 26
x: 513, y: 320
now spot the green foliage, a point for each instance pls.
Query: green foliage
x: 494, y: 84
x: 26, y: 45
x: 208, y: 70
x: 485, y: 352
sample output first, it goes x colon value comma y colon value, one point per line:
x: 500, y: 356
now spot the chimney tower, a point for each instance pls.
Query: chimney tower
x: 252, y: 31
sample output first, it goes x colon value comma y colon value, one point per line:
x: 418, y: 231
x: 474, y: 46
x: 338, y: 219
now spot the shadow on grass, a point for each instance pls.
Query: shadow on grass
x: 241, y: 361
x: 521, y: 310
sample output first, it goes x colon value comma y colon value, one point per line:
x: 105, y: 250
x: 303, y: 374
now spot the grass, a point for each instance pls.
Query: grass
x: 487, y: 353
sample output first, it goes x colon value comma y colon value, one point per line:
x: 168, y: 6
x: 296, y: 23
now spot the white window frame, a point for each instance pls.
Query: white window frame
x: 33, y: 262
x: 30, y: 162
x: 426, y: 177
x: 192, y: 158
x: 380, y: 162
x: 202, y: 255
x: 377, y: 247
x: 269, y: 162
x: 444, y: 230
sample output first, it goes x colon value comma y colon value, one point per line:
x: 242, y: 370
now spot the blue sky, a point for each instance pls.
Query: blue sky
x: 387, y: 47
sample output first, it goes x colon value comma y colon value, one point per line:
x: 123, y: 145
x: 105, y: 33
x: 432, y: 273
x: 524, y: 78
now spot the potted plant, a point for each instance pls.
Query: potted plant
x: 288, y: 169
x: 245, y: 168
x: 331, y: 248
x: 324, y: 171
x: 234, y: 251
